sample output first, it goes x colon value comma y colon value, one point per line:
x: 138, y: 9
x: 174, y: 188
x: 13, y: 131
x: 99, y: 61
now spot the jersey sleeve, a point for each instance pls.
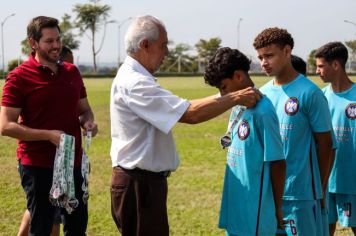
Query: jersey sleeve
x: 318, y: 111
x: 268, y: 126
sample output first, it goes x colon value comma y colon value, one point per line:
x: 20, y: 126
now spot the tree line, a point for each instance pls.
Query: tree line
x: 93, y: 17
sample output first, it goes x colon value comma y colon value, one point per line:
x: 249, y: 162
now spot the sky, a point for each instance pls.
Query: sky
x: 312, y: 23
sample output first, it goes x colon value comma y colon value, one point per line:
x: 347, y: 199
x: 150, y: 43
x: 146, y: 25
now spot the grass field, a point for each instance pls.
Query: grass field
x: 194, y: 189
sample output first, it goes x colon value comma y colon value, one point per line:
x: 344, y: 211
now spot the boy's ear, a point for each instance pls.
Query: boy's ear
x: 288, y: 50
x: 335, y: 64
x: 237, y: 75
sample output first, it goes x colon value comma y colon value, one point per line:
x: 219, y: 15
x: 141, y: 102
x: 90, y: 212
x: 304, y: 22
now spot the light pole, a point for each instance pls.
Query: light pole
x: 350, y: 61
x: 2, y: 44
x: 238, y: 33
x: 119, y: 24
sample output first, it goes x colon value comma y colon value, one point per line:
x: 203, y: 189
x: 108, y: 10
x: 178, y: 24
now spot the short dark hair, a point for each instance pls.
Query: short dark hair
x: 275, y: 35
x: 299, y: 64
x: 223, y: 65
x: 65, y: 50
x: 333, y: 51
x: 34, y: 28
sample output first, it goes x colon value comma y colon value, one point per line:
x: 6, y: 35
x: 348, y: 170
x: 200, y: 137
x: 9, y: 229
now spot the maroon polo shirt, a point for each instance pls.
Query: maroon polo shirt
x: 47, y: 101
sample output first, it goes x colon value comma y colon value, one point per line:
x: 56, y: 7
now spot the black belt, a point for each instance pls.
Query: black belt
x: 166, y: 173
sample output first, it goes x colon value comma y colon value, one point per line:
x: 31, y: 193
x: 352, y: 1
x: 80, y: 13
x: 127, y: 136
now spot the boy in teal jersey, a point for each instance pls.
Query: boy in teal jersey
x: 341, y: 95
x: 323, y: 225
x: 255, y: 170
x: 305, y: 126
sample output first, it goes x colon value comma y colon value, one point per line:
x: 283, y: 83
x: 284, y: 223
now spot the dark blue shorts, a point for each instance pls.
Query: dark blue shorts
x: 37, y: 183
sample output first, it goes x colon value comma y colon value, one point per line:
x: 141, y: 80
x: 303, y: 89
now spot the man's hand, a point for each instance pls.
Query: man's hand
x: 248, y: 97
x: 54, y: 136
x: 90, y: 126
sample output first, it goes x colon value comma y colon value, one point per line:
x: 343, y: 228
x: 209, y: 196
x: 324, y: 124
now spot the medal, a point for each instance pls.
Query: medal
x: 226, y: 141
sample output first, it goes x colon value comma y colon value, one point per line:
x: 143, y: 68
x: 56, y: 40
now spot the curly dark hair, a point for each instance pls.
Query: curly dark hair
x: 275, y: 35
x: 333, y: 51
x: 223, y: 65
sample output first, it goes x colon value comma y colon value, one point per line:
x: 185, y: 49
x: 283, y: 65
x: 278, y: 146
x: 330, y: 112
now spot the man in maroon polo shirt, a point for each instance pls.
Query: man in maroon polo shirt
x: 43, y: 98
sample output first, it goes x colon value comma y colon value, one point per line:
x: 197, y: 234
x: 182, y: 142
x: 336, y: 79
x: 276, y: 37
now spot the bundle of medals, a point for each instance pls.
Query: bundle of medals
x: 226, y: 141
x: 62, y: 192
x: 86, y: 168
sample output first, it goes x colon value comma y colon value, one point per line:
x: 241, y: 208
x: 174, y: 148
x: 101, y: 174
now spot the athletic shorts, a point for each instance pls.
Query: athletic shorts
x: 322, y: 219
x: 301, y: 217
x: 342, y: 209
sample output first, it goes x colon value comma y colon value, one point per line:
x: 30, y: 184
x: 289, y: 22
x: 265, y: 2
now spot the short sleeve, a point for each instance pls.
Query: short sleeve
x: 268, y: 126
x: 83, y: 91
x: 13, y: 94
x: 318, y: 111
x: 156, y: 105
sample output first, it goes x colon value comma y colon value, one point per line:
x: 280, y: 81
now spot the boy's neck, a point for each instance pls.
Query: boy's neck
x: 286, y: 76
x: 341, y: 83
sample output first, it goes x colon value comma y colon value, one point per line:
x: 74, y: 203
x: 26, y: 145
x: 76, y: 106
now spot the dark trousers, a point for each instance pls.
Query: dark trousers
x: 37, y: 183
x: 139, y: 202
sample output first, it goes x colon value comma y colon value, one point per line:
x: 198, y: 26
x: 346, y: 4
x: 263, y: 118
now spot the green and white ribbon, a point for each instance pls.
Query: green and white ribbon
x: 62, y: 192
x: 85, y: 168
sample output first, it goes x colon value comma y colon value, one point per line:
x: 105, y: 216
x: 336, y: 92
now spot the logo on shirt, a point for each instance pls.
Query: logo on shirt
x: 350, y: 111
x: 292, y: 106
x: 243, y: 130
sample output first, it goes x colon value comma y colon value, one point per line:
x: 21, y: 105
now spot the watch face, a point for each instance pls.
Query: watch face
x: 225, y: 141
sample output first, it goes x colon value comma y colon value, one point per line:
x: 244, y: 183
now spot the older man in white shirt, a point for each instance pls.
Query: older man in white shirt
x: 142, y: 115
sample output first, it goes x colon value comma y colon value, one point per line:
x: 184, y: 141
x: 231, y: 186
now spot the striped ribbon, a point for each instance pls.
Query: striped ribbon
x: 62, y: 192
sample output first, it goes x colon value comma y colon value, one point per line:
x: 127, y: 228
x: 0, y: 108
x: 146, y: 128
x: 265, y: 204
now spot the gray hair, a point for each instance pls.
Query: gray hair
x: 143, y: 27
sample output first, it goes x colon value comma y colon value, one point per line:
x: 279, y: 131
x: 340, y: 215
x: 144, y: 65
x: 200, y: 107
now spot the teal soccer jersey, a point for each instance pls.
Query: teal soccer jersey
x: 302, y: 110
x: 343, y: 114
x: 247, y: 199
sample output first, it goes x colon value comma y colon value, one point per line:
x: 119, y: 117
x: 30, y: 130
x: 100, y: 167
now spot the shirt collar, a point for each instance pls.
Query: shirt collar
x: 138, y: 67
x: 34, y: 62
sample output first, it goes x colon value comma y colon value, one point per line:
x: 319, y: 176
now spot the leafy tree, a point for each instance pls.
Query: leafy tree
x: 67, y: 36
x: 206, y: 49
x: 179, y: 60
x: 311, y: 61
x: 13, y: 64
x: 25, y: 47
x: 352, y: 45
x: 92, y: 16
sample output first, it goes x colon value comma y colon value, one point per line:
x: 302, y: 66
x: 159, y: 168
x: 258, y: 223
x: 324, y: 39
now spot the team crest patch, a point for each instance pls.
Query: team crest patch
x: 292, y: 106
x: 350, y: 111
x: 243, y: 130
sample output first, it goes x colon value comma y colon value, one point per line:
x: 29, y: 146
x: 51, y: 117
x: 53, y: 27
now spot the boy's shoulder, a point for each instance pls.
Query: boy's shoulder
x: 264, y: 106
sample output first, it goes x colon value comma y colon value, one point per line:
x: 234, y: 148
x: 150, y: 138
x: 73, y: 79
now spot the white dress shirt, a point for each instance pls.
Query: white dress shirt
x: 142, y: 115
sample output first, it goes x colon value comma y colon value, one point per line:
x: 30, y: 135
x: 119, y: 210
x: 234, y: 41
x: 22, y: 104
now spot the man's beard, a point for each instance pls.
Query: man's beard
x: 46, y: 56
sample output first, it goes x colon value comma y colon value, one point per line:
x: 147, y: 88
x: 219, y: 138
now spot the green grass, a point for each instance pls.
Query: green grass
x: 194, y: 189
